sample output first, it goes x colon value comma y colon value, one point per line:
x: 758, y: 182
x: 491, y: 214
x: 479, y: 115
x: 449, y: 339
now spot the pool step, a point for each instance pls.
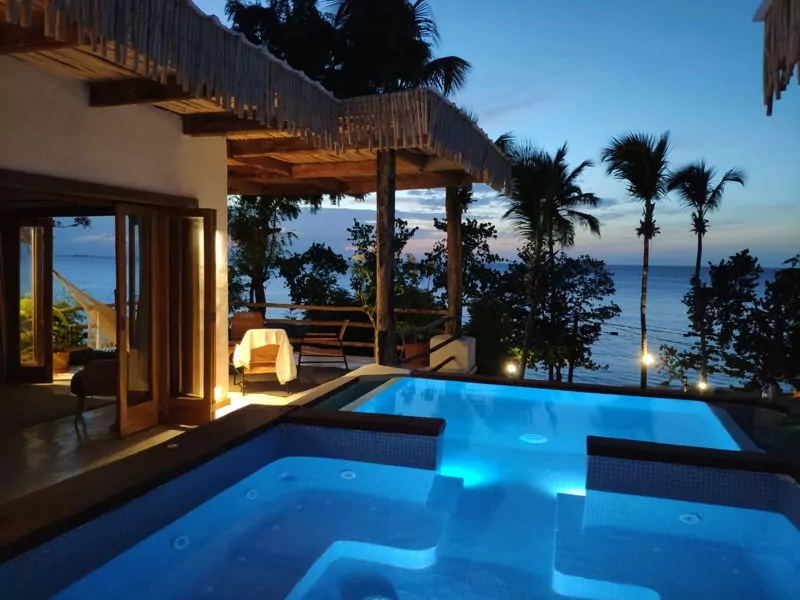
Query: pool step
x: 616, y: 546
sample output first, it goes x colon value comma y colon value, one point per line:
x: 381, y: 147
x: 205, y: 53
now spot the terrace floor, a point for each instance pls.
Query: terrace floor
x: 37, y: 456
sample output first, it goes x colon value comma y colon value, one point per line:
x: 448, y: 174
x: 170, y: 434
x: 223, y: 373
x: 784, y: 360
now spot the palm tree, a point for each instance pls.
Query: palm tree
x: 641, y: 161
x: 564, y: 196
x: 542, y: 208
x: 695, y: 186
x: 388, y: 46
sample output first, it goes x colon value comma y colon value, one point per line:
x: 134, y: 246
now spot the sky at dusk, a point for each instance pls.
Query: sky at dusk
x: 582, y: 71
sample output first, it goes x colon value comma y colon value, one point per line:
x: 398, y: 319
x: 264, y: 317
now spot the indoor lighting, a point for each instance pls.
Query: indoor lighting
x: 217, y: 393
x: 648, y: 359
x: 511, y: 368
x: 702, y: 385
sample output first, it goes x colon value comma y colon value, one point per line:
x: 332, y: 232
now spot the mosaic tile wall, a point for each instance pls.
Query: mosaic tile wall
x: 400, y: 450
x: 53, y: 566
x: 728, y: 487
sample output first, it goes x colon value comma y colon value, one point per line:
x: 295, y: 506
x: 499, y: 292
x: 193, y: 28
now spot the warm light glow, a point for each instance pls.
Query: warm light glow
x: 648, y: 359
x: 512, y: 368
x: 217, y: 393
x: 702, y: 385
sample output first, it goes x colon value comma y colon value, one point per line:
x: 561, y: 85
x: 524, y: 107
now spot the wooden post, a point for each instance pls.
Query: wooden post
x: 454, y: 266
x: 385, y: 330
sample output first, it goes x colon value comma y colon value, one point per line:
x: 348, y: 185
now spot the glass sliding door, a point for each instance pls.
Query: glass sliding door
x: 136, y: 306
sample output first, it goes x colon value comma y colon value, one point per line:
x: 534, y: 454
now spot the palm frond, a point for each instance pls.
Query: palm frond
x: 448, y: 74
x: 424, y: 22
x: 506, y: 142
x: 641, y: 161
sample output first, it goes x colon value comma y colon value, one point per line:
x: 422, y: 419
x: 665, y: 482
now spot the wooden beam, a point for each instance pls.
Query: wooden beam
x: 264, y: 146
x: 411, y: 161
x: 454, y: 261
x: 123, y: 92
x: 289, y: 187
x: 222, y: 123
x: 385, y: 330
x: 339, y: 169
x: 22, y: 40
x: 410, y: 182
x: 70, y: 188
x: 265, y: 163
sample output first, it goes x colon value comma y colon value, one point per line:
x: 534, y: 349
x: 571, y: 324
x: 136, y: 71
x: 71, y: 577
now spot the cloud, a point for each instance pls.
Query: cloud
x: 511, y: 103
x: 94, y: 238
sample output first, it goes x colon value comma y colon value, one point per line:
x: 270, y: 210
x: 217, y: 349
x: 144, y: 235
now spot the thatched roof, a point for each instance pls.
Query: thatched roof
x: 286, y: 134
x: 781, y: 46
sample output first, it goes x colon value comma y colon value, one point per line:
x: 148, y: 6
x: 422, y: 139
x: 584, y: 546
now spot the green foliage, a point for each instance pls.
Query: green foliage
x: 751, y: 336
x: 258, y: 240
x: 360, y: 47
x: 68, y: 333
x: 313, y: 276
x: 477, y: 259
x: 570, y: 318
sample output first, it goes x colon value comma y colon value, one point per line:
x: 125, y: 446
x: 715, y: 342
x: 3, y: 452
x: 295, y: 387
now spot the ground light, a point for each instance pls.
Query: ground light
x: 648, y: 359
x: 702, y: 385
x: 511, y: 368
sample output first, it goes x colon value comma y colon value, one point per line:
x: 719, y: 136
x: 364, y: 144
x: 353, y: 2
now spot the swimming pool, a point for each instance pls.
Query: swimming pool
x: 497, y: 506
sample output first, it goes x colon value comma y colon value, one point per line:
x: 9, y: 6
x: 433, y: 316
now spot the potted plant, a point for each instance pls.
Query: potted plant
x: 415, y: 341
x: 68, y: 334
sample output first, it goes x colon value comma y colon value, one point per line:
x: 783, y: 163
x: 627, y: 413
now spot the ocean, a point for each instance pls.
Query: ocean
x: 666, y: 314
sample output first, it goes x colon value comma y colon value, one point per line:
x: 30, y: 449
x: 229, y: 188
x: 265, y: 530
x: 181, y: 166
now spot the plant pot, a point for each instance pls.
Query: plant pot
x: 60, y: 362
x: 413, y: 349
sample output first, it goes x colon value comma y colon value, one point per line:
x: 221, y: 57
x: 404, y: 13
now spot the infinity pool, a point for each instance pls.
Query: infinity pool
x: 506, y: 515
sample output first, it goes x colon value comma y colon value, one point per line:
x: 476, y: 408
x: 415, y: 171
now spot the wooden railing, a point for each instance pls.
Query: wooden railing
x: 354, y: 310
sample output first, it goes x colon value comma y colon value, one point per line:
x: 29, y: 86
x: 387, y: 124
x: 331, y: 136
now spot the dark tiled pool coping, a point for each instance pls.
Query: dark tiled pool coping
x: 742, y: 479
x: 718, y: 397
x: 33, y: 519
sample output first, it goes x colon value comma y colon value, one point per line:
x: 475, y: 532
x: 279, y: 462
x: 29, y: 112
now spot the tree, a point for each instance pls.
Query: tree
x: 285, y: 27
x: 753, y: 337
x: 361, y: 47
x: 388, y: 46
x: 641, y: 161
x: 313, y: 276
x: 477, y: 259
x: 258, y: 240
x: 695, y: 186
x: 543, y: 209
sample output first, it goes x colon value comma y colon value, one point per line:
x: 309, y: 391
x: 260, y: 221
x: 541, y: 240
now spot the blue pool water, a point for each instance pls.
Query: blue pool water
x: 505, y: 516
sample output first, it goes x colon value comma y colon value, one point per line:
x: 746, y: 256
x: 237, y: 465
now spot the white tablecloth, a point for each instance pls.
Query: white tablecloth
x: 285, y: 368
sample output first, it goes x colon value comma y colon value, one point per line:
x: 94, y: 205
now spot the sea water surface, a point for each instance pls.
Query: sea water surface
x: 618, y: 348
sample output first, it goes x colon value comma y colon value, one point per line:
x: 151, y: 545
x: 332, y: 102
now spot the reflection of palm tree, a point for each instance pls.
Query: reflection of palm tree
x: 641, y: 161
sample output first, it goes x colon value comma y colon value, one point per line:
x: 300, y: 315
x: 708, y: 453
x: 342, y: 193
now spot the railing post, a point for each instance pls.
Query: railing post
x: 385, y: 327
x: 454, y: 266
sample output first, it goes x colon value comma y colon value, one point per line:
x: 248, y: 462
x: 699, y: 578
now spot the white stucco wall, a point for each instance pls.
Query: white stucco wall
x: 47, y: 127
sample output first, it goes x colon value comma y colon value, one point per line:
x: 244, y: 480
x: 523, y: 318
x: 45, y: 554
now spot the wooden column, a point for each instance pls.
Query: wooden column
x: 385, y: 331
x: 454, y: 267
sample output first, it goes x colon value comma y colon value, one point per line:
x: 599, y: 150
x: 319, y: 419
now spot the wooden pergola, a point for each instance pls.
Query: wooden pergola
x: 285, y: 134
x: 781, y: 20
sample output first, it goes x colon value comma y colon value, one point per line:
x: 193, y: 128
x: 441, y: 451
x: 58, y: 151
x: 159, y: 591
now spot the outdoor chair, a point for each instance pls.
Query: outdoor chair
x: 263, y: 361
x: 322, y: 348
x: 240, y: 323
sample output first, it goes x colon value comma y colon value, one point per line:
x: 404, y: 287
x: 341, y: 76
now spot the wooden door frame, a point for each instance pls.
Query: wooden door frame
x: 132, y: 419
x: 15, y: 371
x: 181, y: 409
